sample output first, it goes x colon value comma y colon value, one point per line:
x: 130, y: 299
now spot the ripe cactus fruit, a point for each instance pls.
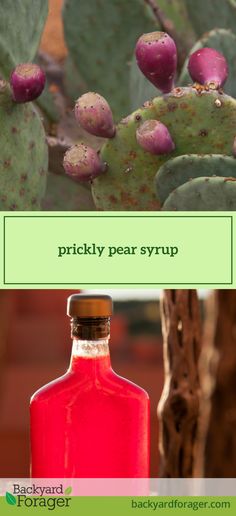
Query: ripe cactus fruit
x: 156, y: 56
x: 154, y: 137
x: 225, y: 42
x: 208, y: 67
x: 204, y: 194
x: 23, y: 154
x: 180, y: 170
x: 94, y: 114
x: 82, y: 163
x: 27, y: 82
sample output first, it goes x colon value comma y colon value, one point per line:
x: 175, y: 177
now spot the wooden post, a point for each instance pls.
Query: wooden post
x: 219, y: 457
x: 178, y: 409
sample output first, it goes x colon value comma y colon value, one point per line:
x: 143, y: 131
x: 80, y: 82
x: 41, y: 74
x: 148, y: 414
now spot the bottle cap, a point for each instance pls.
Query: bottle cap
x: 81, y: 305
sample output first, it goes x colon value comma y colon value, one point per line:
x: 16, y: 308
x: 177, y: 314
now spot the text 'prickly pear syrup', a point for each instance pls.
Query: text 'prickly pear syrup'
x: 90, y: 422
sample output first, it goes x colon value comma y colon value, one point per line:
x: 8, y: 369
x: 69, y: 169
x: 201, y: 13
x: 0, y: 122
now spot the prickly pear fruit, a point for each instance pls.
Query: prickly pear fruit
x: 177, y: 171
x: 94, y: 114
x: 225, y: 42
x: 207, y: 66
x: 156, y: 56
x: 204, y: 194
x: 154, y: 137
x: 27, y: 82
x: 82, y: 163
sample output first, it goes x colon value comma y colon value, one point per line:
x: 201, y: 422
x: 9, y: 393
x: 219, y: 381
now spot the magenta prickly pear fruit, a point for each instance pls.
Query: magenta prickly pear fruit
x: 156, y: 56
x: 207, y: 66
x: 94, y: 114
x: 154, y: 137
x: 27, y: 82
x: 83, y: 163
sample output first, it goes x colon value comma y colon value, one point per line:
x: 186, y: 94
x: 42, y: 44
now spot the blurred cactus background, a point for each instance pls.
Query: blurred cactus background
x: 86, y: 46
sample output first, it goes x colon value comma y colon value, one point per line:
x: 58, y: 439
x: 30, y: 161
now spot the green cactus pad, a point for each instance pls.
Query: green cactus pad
x: 21, y: 25
x: 23, y: 156
x: 225, y: 42
x: 206, y: 15
x: 199, y: 121
x: 204, y: 194
x: 178, y: 171
x: 101, y: 37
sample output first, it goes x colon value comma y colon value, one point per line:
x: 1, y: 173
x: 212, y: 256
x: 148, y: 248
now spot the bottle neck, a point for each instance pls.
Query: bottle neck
x: 90, y: 348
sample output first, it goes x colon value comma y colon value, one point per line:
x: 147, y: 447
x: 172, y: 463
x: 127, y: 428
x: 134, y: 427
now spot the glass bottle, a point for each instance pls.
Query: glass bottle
x: 90, y: 422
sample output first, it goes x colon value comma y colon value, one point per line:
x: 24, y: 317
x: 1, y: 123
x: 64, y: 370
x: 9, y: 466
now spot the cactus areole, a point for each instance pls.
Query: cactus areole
x: 27, y: 82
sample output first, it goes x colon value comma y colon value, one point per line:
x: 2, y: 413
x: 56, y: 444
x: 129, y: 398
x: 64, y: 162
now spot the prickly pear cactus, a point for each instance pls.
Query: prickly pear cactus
x: 23, y: 154
x: 199, y: 121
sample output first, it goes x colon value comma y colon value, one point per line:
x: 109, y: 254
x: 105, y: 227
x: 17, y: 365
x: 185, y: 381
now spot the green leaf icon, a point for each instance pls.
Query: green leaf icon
x: 68, y: 490
x: 10, y: 498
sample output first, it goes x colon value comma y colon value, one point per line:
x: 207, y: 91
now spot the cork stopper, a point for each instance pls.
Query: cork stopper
x: 85, y: 306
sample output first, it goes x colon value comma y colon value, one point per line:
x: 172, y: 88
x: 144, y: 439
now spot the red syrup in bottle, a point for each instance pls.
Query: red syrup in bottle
x: 90, y: 423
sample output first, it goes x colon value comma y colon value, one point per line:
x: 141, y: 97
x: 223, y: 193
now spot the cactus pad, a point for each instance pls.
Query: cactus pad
x: 203, y: 194
x: 180, y: 170
x: 23, y: 155
x: 199, y: 121
x: 21, y: 25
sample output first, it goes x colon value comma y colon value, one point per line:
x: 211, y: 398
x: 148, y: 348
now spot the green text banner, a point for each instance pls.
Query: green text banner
x: 139, y: 249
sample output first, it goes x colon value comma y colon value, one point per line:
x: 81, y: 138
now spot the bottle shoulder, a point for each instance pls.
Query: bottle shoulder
x: 129, y: 387
x: 52, y: 388
x: 70, y: 383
